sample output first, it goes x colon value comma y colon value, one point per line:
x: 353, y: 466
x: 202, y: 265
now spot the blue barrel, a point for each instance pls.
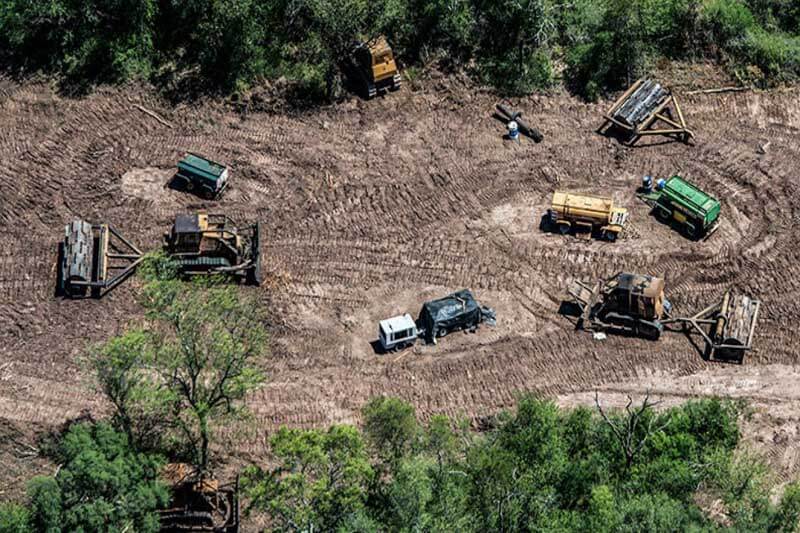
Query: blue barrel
x: 661, y: 183
x: 513, y: 130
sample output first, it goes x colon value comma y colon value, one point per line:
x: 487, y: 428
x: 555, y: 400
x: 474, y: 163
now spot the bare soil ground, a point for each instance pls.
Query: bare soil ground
x: 370, y: 208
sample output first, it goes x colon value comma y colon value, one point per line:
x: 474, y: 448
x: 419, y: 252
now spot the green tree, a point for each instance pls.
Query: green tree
x: 14, y: 518
x: 232, y: 42
x: 102, y: 485
x: 648, y: 513
x: 515, y: 35
x: 45, y: 496
x: 320, y: 482
x: 190, y: 368
x: 87, y: 41
x: 205, y: 347
x: 390, y: 427
x: 602, y: 515
x: 449, y: 27
x: 410, y: 493
x: 121, y: 370
x: 787, y: 516
x: 741, y: 480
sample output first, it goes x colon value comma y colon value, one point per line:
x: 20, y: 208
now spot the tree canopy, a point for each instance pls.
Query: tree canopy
x: 514, y: 45
x: 189, y: 368
x: 540, y: 469
x: 102, y: 485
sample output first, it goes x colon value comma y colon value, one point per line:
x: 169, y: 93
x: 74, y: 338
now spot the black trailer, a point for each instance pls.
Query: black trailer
x: 457, y: 311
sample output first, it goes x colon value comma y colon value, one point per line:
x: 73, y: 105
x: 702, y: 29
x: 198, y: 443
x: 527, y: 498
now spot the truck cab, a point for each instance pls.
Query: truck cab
x: 397, y: 332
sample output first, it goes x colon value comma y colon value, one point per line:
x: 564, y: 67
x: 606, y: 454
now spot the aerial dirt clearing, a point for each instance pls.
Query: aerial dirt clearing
x: 369, y: 209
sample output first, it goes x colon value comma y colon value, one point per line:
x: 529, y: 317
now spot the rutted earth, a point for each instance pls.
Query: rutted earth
x: 370, y: 209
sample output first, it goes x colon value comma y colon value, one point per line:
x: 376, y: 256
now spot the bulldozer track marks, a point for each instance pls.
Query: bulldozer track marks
x: 371, y: 209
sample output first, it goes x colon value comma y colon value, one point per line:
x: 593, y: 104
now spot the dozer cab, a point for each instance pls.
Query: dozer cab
x: 372, y: 68
x: 205, y: 244
x: 630, y: 302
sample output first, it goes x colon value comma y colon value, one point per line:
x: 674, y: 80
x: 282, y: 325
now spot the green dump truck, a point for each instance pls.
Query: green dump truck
x: 677, y: 202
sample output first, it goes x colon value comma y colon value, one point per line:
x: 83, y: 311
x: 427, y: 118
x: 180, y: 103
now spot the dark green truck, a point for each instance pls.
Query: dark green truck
x: 676, y: 201
x: 205, y: 177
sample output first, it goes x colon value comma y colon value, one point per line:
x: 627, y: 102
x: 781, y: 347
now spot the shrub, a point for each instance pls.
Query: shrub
x: 103, y: 485
x: 776, y: 55
x: 727, y: 21
x: 14, y: 518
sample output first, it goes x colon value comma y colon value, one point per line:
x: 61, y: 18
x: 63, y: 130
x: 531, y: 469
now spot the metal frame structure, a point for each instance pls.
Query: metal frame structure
x: 660, y: 112
x: 112, y: 258
x: 716, y: 317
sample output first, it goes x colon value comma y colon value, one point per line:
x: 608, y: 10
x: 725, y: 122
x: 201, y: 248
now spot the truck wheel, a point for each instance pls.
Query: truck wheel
x: 611, y: 236
x: 563, y: 229
x: 662, y: 216
x: 693, y: 232
x: 441, y: 333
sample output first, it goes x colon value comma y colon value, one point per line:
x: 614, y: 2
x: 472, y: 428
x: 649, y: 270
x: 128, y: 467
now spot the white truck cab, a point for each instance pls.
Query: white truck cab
x: 397, y: 332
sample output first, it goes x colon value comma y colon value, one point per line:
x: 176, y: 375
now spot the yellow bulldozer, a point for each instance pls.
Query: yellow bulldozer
x: 372, y: 68
x: 204, y: 244
x: 636, y: 304
x: 95, y: 258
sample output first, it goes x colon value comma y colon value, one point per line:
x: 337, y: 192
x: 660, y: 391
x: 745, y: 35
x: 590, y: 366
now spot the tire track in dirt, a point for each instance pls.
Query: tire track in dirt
x: 360, y: 217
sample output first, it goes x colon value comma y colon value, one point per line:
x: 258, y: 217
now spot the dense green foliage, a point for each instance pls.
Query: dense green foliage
x: 515, y: 45
x: 101, y: 485
x: 14, y: 518
x: 540, y: 469
x: 188, y: 369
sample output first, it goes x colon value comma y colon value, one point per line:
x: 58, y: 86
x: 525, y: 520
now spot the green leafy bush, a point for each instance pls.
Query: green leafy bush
x: 727, y: 21
x: 540, y: 469
x: 14, y: 518
x: 516, y: 46
x: 102, y: 485
x: 776, y: 55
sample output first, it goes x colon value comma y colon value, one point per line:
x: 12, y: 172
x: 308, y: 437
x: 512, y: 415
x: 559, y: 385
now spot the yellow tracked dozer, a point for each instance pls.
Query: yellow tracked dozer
x: 372, y: 68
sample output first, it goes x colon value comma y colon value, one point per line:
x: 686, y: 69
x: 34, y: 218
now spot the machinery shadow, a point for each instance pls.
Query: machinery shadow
x: 546, y: 227
x: 377, y: 348
x: 58, y: 291
x: 571, y: 311
x: 626, y: 139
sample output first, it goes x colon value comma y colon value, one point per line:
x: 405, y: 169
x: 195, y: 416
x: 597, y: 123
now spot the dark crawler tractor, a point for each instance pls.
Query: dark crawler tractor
x: 630, y: 302
x: 205, y: 244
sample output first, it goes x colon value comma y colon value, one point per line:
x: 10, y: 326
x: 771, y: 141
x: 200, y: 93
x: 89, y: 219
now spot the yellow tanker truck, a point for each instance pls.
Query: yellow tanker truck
x: 575, y: 212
